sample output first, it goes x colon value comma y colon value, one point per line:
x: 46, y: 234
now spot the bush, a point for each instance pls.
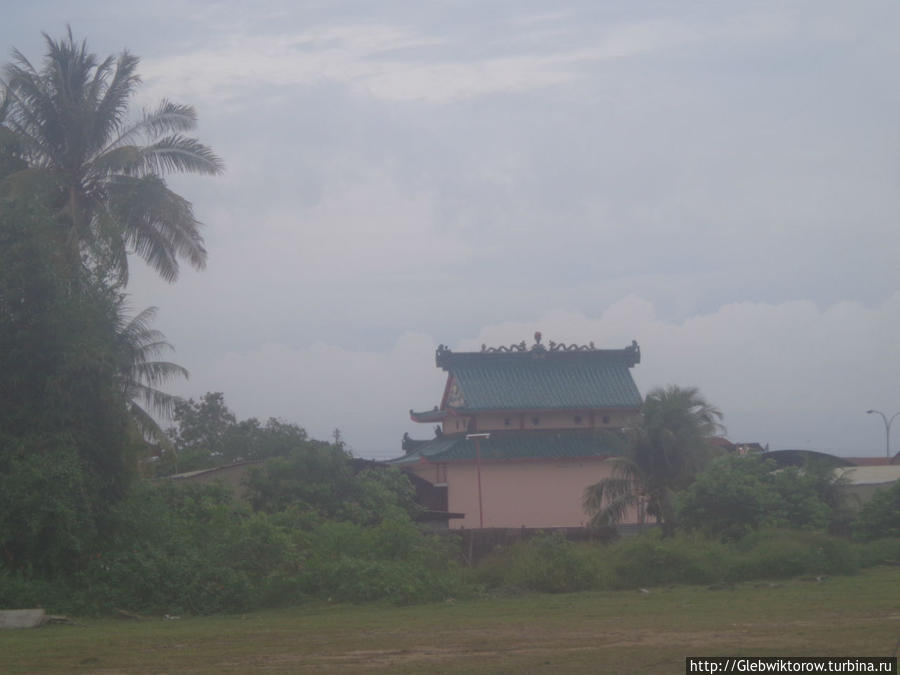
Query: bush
x: 880, y: 516
x: 650, y: 560
x: 547, y: 563
x: 788, y: 553
x: 738, y: 495
x: 880, y: 552
x: 391, y: 561
x: 551, y: 564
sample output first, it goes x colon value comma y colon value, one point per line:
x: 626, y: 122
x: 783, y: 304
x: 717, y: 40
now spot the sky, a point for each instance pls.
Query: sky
x: 718, y: 181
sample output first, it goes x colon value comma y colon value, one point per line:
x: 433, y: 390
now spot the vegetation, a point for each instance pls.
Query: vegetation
x: 611, y: 631
x: 78, y: 189
x: 880, y: 517
x: 208, y: 434
x: 197, y: 550
x: 738, y: 495
x: 65, y: 447
x: 141, y: 374
x: 103, y: 172
x: 80, y: 381
x: 551, y: 564
x: 669, y: 445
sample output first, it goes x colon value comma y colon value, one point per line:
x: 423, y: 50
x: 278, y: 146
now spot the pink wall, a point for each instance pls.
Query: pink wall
x: 537, y: 493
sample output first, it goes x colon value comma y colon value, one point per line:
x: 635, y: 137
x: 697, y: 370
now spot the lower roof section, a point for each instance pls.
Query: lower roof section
x: 515, y: 445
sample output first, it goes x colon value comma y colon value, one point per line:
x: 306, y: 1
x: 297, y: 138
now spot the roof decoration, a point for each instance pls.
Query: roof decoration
x: 444, y: 355
x: 538, y: 347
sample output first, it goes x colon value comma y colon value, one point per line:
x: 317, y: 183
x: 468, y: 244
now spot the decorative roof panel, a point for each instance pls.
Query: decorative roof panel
x: 514, y: 445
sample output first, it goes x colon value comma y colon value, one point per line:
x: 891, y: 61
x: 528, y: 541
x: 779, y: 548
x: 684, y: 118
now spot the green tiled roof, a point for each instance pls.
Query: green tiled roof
x: 541, y: 380
x: 514, y: 445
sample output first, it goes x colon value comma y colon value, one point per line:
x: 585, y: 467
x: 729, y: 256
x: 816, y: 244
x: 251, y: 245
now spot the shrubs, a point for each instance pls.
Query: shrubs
x: 880, y: 517
x: 652, y: 561
x: 551, y: 564
x: 738, y: 495
x: 547, y: 563
x: 196, y: 550
x: 782, y: 554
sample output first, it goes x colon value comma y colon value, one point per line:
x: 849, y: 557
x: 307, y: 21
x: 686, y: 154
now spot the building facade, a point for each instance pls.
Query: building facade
x: 522, y: 431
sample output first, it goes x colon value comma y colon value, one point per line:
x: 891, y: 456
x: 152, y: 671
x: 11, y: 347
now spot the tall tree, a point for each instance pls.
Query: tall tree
x: 72, y: 128
x: 667, y: 448
x: 65, y: 450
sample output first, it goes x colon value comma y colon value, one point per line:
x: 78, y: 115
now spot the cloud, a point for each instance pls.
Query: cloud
x: 788, y: 374
x: 364, y: 393
x: 403, y: 63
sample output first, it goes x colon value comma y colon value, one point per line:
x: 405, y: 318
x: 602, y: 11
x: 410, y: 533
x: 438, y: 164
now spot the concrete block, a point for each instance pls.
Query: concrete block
x: 21, y: 618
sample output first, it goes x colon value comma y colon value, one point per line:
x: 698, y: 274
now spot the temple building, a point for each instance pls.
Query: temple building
x: 521, y: 432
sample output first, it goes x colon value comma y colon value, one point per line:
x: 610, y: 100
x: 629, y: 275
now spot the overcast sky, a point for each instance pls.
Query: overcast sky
x: 718, y: 181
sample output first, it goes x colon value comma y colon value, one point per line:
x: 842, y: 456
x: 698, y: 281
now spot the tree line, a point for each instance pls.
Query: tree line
x: 82, y: 188
x: 82, y: 376
x: 84, y: 525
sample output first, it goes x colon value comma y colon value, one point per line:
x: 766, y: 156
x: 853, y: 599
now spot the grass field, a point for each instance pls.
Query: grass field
x: 602, y: 632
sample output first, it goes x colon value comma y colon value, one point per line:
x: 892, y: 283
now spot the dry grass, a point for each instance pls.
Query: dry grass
x: 609, y: 632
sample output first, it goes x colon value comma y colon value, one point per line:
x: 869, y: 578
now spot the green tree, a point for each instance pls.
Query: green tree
x: 321, y: 478
x: 880, y: 516
x: 71, y: 128
x: 141, y: 373
x: 65, y: 451
x: 207, y: 433
x: 737, y: 495
x: 201, y: 427
x: 665, y: 451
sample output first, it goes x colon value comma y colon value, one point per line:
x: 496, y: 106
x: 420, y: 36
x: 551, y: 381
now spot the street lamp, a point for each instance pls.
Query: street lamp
x: 478, y: 438
x: 887, y: 429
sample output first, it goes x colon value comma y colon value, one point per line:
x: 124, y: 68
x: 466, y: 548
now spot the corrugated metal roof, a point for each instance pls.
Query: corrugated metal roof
x: 870, y: 475
x: 514, y: 445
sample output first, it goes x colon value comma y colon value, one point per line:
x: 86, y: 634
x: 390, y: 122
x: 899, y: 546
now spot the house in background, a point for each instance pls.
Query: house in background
x: 521, y: 432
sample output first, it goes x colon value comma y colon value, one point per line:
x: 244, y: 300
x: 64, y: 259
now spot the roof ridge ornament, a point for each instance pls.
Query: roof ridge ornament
x: 521, y: 347
x: 632, y: 353
x: 538, y: 347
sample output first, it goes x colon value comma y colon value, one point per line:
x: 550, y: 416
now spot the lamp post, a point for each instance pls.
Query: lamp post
x: 478, y: 438
x: 887, y: 429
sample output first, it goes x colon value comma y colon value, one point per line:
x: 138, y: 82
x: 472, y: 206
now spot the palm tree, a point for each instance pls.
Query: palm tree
x: 666, y: 449
x: 140, y: 374
x: 71, y: 123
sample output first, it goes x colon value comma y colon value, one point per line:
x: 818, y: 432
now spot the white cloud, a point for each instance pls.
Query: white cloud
x: 789, y: 374
x: 365, y: 394
x: 383, y: 60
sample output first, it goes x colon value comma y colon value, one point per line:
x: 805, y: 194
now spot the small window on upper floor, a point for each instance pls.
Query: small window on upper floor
x: 606, y: 419
x: 577, y: 419
x: 535, y: 420
x: 506, y: 422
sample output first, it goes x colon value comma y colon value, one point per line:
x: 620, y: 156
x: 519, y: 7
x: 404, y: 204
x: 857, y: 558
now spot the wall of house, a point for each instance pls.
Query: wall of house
x: 535, y: 493
x: 566, y: 419
x: 233, y: 476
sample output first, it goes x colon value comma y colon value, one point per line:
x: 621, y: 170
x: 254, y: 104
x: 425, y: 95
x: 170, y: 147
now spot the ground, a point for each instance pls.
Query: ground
x: 609, y: 632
